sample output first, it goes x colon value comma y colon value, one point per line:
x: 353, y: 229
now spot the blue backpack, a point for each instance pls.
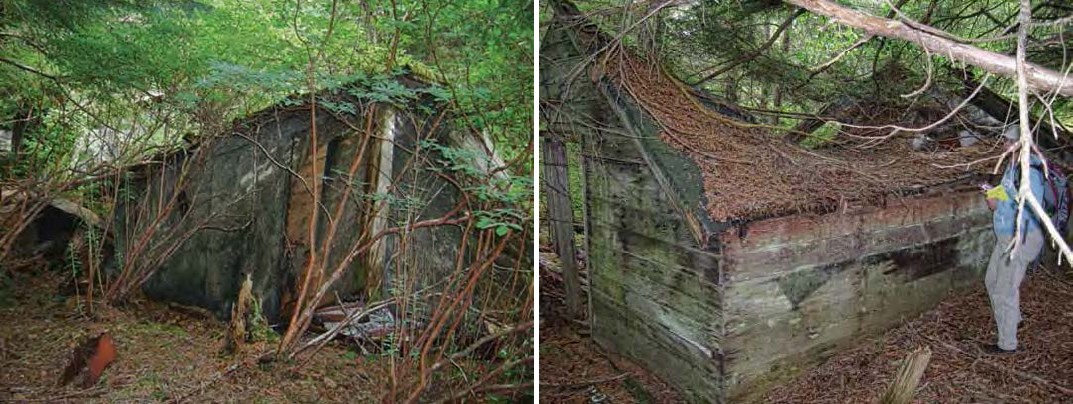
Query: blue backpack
x: 1055, y: 202
x: 1055, y: 195
x: 1056, y: 198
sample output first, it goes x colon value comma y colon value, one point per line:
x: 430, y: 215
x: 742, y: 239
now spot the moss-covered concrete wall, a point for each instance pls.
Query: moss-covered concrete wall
x: 654, y: 294
x: 233, y: 189
x: 724, y: 310
x: 782, y: 293
x: 800, y: 287
x: 254, y: 212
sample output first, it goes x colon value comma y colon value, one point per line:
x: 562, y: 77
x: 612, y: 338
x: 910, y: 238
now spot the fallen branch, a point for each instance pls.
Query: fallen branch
x: 905, y: 383
x: 201, y: 387
x: 585, y: 383
x: 90, y: 392
x: 351, y: 317
x: 1038, y: 77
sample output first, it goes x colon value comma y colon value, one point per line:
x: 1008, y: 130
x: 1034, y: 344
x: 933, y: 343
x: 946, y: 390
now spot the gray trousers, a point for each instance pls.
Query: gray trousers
x: 1004, y: 275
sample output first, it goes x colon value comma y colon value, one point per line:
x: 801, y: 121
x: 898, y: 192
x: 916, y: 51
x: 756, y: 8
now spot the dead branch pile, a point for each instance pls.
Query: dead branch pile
x: 749, y: 173
x: 959, y: 371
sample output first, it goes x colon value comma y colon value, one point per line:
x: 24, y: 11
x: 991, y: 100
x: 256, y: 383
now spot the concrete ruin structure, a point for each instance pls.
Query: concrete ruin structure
x: 725, y: 260
x: 243, y: 202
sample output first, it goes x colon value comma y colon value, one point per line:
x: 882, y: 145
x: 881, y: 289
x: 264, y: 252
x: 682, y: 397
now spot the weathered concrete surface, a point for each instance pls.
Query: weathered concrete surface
x: 779, y: 295
x: 722, y: 310
x: 650, y: 297
x: 237, y: 188
x: 653, y: 295
x: 799, y: 287
x: 258, y: 213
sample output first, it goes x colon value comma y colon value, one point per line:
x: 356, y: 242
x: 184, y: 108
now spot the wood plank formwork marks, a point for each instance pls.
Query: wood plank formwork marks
x: 653, y: 296
x: 801, y: 287
x: 722, y: 309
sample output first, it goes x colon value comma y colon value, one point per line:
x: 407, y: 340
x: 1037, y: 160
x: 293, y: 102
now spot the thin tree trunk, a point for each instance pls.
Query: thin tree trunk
x: 777, y: 102
x: 25, y: 121
x: 730, y: 89
x: 561, y: 217
x: 1024, y: 194
x: 767, y: 91
x: 652, y: 30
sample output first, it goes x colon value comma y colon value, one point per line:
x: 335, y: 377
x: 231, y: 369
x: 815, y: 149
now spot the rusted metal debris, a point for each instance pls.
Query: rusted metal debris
x: 89, y: 360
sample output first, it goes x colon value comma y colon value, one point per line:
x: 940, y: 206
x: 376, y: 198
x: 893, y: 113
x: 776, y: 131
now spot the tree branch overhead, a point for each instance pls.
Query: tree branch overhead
x: 1039, y: 78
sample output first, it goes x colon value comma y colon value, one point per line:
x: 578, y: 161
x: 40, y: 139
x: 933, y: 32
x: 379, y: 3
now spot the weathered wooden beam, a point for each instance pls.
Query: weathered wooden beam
x: 561, y: 215
x: 908, y: 378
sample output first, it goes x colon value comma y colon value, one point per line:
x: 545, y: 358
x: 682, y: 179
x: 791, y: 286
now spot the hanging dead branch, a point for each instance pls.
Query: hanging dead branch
x: 1027, y: 145
x: 1037, y: 77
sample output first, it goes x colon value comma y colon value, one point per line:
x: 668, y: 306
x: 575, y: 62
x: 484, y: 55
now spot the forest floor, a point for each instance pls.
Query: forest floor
x: 573, y: 368
x: 162, y: 355
x: 959, y: 371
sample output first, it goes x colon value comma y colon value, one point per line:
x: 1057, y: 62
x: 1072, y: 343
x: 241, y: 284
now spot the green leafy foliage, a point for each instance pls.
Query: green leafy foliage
x: 259, y: 328
x: 826, y: 133
x: 501, y: 220
x: 382, y: 88
x: 82, y: 66
x: 350, y: 355
x: 508, y: 196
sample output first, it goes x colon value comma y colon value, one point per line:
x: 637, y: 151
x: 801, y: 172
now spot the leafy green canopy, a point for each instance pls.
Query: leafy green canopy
x: 78, y: 66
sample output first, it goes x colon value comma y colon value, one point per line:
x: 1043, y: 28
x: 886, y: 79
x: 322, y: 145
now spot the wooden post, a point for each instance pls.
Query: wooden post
x: 561, y: 216
x: 908, y: 378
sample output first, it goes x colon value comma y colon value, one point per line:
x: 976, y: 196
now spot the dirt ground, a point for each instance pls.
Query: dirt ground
x: 163, y: 355
x: 959, y: 371
x: 574, y: 369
